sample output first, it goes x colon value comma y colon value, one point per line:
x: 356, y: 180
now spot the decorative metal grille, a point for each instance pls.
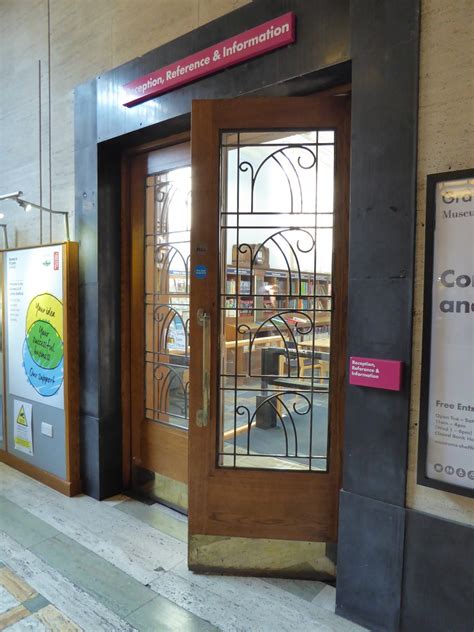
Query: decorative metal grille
x: 275, y: 298
x: 167, y: 250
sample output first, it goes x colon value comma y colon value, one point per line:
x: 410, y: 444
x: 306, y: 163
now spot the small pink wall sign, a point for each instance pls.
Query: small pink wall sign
x: 256, y: 41
x: 374, y: 373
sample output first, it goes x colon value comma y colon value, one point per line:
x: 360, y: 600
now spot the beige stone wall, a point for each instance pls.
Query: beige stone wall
x: 445, y: 143
x: 87, y: 37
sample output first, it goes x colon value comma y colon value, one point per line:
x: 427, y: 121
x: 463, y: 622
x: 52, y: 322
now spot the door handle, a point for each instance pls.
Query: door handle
x: 204, y: 320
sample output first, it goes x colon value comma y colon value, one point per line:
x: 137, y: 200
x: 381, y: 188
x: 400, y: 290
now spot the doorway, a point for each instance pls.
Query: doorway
x: 237, y: 333
x: 160, y: 225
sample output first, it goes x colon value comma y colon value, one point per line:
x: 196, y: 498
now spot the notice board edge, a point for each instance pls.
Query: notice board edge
x: 429, y: 232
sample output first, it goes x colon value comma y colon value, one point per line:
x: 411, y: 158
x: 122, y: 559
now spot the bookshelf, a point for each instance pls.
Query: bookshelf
x: 267, y: 290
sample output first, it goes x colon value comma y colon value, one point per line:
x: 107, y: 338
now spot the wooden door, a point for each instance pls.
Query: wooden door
x: 157, y: 319
x: 267, y: 318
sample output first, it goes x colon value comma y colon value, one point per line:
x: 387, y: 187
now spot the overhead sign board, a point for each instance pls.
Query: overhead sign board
x: 257, y: 41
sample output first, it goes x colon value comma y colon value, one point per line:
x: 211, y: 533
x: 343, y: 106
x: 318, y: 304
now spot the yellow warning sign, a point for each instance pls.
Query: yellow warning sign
x: 21, y: 419
x: 23, y: 429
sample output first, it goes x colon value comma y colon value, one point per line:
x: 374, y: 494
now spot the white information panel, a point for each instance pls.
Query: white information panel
x: 450, y: 442
x: 35, y: 341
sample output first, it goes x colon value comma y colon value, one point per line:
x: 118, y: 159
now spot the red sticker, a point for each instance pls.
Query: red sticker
x: 56, y: 260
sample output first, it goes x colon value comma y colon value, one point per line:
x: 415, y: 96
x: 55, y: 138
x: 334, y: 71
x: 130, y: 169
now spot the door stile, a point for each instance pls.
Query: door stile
x: 204, y: 252
x: 138, y: 169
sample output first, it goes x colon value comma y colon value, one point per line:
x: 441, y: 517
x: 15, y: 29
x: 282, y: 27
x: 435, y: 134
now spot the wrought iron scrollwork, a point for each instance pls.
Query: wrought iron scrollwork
x: 166, y: 193
x: 273, y: 383
x: 284, y: 414
x: 165, y: 315
x: 244, y: 248
x: 287, y: 332
x: 282, y: 159
x: 172, y: 389
x: 165, y: 254
x: 167, y: 288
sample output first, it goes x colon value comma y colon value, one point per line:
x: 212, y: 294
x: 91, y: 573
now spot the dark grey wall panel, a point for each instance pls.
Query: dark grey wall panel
x: 438, y: 587
x: 370, y: 561
x: 377, y: 420
x: 109, y: 264
x: 101, y: 463
x: 384, y: 51
x: 90, y: 455
x: 88, y: 349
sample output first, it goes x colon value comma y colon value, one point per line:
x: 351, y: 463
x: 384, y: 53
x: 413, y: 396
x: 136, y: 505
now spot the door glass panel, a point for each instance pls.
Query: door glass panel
x: 167, y: 236
x: 276, y: 250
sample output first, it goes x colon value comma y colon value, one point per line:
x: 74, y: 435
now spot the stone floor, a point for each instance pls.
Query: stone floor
x: 69, y: 564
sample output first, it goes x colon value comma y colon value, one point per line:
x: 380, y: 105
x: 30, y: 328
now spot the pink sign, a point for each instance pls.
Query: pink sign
x: 234, y: 50
x: 386, y: 374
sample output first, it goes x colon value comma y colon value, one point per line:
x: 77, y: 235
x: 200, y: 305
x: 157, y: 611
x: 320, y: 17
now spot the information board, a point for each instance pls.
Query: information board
x: 34, y: 297
x: 447, y: 406
x: 41, y: 387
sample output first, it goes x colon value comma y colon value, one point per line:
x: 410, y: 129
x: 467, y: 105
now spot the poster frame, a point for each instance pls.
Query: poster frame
x: 71, y: 484
x: 430, y: 225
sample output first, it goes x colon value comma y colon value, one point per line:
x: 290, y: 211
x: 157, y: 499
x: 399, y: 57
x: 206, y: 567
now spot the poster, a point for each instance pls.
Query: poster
x: 34, y: 324
x: 450, y: 441
x: 23, y: 426
x: 177, y: 336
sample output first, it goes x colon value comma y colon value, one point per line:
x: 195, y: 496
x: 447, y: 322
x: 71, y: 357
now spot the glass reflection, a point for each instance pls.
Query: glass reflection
x: 276, y: 298
x: 167, y: 285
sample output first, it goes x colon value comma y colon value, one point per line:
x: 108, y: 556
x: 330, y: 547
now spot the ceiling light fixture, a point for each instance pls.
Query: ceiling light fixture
x: 11, y: 196
x: 28, y: 206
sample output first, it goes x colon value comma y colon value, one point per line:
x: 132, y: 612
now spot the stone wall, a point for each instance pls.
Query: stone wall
x: 87, y: 37
x: 445, y: 143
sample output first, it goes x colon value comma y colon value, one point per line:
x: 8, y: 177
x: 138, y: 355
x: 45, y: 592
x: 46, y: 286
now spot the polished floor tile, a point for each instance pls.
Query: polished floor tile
x: 34, y: 613
x: 120, y: 566
x: 306, y: 590
x: 157, y: 518
x: 15, y: 585
x: 28, y: 623
x: 36, y: 603
x: 7, y: 600
x: 55, y: 621
x: 102, y: 580
x: 21, y: 525
x: 12, y: 615
x: 163, y: 615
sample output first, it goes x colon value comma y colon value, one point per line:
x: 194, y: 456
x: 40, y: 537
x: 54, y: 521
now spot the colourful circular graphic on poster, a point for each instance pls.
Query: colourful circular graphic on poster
x: 44, y: 344
x: 43, y: 349
x: 48, y: 308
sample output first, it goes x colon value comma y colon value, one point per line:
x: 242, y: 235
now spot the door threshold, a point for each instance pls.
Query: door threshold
x: 261, y: 557
x: 152, y: 487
